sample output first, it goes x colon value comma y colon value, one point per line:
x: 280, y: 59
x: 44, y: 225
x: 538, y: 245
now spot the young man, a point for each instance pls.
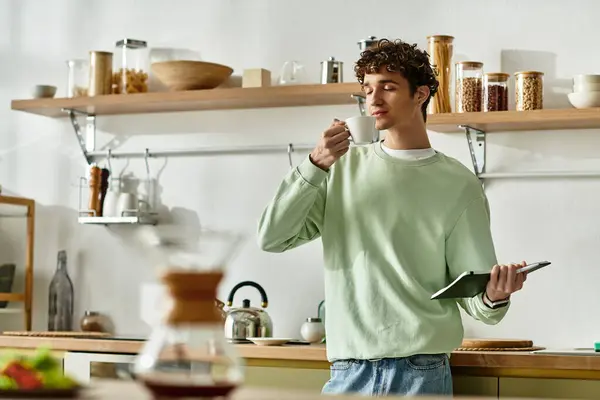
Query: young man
x: 398, y: 221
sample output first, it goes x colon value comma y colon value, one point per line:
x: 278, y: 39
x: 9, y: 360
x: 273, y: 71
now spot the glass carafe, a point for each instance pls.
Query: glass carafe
x: 187, y: 355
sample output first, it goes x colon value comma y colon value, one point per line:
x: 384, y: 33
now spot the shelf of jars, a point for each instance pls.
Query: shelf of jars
x: 302, y: 95
x: 194, y: 100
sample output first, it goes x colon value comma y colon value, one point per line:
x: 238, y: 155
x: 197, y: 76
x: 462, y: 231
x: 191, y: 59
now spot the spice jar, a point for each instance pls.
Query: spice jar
x: 529, y: 88
x: 93, y: 321
x: 131, y: 67
x: 469, y: 86
x: 440, y: 49
x: 495, y: 91
x: 313, y: 330
x: 78, y: 78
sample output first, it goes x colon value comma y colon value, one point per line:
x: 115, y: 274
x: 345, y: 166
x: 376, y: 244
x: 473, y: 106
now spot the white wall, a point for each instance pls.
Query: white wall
x: 532, y: 219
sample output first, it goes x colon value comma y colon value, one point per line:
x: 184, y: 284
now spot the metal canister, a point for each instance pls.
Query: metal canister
x: 369, y: 42
x: 332, y: 71
x: 100, y: 73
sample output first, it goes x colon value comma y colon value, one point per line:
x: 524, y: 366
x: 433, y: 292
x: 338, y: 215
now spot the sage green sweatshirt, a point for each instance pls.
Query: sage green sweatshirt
x: 394, y: 231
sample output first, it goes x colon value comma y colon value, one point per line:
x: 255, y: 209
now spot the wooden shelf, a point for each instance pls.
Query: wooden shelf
x: 16, y: 201
x: 19, y: 297
x: 196, y: 100
x: 298, y: 96
x: 502, y: 121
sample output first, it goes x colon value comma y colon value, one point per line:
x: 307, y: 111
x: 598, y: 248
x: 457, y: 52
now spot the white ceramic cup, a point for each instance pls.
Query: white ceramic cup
x: 129, y: 205
x: 362, y: 129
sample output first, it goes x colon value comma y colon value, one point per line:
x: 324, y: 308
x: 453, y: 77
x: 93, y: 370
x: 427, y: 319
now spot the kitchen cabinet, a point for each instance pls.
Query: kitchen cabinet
x: 549, y: 388
x: 286, y: 378
x: 475, y: 386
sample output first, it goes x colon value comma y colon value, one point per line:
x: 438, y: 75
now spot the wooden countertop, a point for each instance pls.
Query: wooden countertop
x: 491, y: 363
x: 110, y: 390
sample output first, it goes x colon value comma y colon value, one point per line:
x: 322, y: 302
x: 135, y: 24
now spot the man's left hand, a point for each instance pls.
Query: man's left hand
x: 504, y: 281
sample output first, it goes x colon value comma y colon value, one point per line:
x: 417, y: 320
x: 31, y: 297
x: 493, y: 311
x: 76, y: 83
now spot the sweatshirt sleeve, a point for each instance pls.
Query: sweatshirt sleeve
x: 295, y: 215
x: 470, y: 247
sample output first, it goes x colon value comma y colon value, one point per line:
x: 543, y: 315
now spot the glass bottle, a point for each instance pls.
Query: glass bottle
x: 187, y: 354
x: 440, y: 49
x: 60, y: 302
x: 131, y: 66
x: 495, y: 91
x: 469, y: 86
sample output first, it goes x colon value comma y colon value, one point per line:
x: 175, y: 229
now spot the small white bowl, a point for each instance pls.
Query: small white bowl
x: 585, y: 79
x: 584, y: 99
x: 43, y: 91
x: 586, y: 87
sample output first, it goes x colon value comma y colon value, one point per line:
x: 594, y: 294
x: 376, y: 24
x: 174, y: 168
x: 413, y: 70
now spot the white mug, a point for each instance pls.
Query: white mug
x: 362, y: 129
x: 128, y: 205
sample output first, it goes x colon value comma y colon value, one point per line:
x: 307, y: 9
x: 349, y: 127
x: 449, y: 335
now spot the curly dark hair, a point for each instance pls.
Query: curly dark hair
x: 399, y: 56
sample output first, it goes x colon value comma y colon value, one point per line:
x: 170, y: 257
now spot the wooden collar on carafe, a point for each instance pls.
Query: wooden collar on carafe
x: 194, y: 295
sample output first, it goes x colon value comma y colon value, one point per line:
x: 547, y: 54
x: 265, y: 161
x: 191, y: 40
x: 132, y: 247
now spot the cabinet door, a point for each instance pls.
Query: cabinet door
x: 475, y: 386
x: 550, y: 388
x: 286, y: 378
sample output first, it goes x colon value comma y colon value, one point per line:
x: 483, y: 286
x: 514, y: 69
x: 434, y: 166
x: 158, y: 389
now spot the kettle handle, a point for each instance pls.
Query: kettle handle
x: 263, y: 294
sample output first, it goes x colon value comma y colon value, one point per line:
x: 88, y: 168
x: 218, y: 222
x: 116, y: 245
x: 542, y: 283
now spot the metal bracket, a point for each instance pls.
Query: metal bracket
x: 361, y: 103
x: 476, y: 141
x: 87, y: 143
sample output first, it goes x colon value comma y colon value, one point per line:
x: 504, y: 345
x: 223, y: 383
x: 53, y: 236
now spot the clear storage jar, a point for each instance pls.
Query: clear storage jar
x: 78, y: 77
x: 469, y: 86
x: 440, y: 49
x: 495, y: 91
x: 131, y: 66
x: 529, y: 90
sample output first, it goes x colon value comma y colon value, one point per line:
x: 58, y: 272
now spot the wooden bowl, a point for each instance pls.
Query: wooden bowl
x: 190, y: 75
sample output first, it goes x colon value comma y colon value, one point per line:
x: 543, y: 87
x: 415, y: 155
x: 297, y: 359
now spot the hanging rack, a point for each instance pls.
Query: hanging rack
x: 204, y: 151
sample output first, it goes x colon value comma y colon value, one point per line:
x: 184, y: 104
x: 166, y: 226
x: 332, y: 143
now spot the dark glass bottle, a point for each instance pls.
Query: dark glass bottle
x: 60, y: 301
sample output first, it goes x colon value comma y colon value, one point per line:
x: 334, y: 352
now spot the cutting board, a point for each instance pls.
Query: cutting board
x: 497, y: 345
x: 58, y: 334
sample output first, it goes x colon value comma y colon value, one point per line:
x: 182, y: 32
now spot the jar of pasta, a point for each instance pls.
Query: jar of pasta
x: 469, y: 86
x: 440, y: 49
x: 529, y: 88
x: 131, y: 66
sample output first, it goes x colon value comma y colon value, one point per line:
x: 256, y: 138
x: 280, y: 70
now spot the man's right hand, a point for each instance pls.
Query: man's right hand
x: 334, y: 143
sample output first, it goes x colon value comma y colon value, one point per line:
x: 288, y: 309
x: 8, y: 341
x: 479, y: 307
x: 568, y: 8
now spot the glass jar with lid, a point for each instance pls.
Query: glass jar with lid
x: 187, y: 354
x: 529, y: 88
x: 440, y: 49
x: 495, y: 91
x: 469, y: 86
x: 78, y: 77
x: 131, y: 66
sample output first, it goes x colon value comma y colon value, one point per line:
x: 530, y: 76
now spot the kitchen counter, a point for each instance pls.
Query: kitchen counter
x: 132, y: 391
x: 473, y: 363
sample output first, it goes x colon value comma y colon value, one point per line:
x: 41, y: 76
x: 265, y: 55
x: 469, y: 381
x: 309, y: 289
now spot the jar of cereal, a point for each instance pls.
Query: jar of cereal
x: 529, y: 88
x: 131, y: 66
x: 469, y: 86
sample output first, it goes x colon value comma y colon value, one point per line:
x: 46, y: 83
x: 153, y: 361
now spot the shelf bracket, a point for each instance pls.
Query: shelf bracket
x: 87, y: 143
x: 477, y: 145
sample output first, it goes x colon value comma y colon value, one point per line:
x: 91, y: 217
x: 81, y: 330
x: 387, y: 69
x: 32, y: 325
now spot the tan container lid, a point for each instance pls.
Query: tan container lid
x: 497, y: 76
x: 536, y: 73
x: 441, y: 38
x: 474, y: 64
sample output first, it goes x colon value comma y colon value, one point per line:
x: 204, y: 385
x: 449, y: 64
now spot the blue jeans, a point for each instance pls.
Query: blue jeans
x: 421, y: 374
